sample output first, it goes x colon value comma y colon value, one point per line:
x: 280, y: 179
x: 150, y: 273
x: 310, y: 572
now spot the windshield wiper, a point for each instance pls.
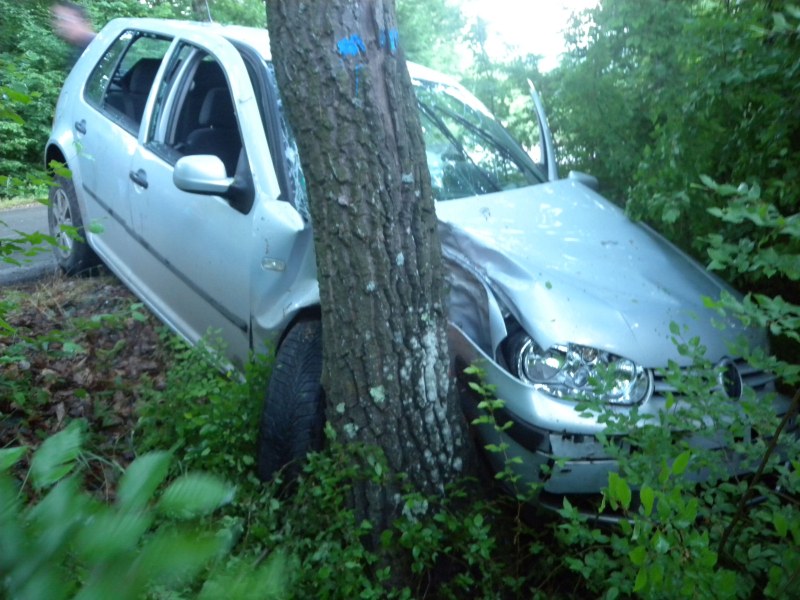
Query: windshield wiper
x: 488, y: 137
x: 442, y: 126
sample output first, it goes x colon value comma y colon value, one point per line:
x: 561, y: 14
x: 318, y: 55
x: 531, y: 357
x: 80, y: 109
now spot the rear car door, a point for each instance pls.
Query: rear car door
x: 107, y: 124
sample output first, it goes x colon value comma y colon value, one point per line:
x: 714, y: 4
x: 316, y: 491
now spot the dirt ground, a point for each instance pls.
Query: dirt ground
x: 77, y: 348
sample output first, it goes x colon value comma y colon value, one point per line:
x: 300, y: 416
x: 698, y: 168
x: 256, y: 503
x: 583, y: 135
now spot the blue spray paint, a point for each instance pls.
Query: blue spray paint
x: 388, y: 38
x: 352, y: 46
x: 356, y: 70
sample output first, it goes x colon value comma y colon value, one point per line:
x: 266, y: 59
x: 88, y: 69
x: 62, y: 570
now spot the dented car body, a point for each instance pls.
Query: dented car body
x: 190, y: 168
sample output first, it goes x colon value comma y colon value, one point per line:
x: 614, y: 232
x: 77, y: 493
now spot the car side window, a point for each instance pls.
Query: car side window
x: 194, y: 114
x: 194, y: 111
x: 121, y: 81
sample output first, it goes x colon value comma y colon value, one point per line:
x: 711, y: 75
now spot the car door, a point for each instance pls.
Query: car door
x: 107, y: 125
x: 199, y: 249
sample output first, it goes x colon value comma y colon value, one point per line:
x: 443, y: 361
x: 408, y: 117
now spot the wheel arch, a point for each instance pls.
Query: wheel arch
x: 307, y: 313
x: 53, y: 152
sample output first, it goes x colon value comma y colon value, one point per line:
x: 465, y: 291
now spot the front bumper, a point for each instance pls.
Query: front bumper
x: 558, y: 447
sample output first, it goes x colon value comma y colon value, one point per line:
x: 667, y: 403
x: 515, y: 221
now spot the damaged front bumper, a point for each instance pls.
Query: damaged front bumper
x: 560, y: 452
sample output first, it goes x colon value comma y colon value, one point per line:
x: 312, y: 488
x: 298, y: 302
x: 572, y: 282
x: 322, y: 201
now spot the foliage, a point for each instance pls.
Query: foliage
x: 652, y: 95
x: 208, y: 415
x: 441, y: 547
x: 28, y: 89
x: 503, y: 87
x: 59, y: 542
x: 429, y: 31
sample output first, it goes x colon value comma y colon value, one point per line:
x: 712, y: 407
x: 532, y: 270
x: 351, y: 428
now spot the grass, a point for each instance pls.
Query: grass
x: 22, y: 201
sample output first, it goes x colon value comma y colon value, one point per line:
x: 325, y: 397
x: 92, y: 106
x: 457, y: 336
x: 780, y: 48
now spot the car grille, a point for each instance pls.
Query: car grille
x: 758, y: 380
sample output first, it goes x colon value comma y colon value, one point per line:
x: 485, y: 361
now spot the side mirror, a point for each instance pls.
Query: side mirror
x: 202, y: 174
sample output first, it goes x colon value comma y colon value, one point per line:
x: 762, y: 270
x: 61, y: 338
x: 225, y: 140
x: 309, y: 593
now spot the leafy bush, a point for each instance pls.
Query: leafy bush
x: 207, y: 414
x: 700, y: 522
x: 63, y: 543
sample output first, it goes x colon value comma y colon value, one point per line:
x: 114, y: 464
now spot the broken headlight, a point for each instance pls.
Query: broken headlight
x: 578, y: 372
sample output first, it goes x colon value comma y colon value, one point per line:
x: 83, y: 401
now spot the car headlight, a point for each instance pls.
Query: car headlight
x: 579, y: 372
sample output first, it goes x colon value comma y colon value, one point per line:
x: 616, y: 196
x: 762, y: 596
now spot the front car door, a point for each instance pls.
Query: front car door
x: 198, y: 251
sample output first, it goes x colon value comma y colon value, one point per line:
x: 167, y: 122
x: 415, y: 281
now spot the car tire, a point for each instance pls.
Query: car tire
x: 293, y: 415
x: 74, y: 256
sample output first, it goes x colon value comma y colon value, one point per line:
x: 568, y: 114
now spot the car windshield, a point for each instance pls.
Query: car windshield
x: 469, y: 153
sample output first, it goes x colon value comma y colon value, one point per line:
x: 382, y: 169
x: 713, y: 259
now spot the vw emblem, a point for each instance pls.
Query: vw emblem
x: 729, y: 379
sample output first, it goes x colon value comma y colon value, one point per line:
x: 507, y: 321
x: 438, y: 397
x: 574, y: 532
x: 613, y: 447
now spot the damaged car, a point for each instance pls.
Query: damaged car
x: 179, y: 151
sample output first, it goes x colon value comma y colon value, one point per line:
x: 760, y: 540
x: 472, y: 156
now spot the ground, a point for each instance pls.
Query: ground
x: 82, y: 348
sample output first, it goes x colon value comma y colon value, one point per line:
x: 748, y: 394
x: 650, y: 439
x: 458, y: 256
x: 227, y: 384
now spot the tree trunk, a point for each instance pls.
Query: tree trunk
x: 200, y: 10
x: 351, y: 104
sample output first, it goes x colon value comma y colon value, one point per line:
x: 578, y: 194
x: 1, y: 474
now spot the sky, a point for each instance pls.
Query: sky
x: 534, y: 26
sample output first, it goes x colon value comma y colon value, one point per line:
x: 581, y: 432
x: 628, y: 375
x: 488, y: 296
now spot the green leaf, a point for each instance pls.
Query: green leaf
x: 647, y: 496
x: 16, y: 96
x: 269, y: 581
x: 11, y: 456
x: 681, y: 462
x: 56, y: 456
x: 142, y: 478
x: 110, y: 533
x: 781, y: 524
x: 660, y: 543
x: 172, y: 558
x: 641, y: 580
x: 72, y: 348
x: 727, y: 582
x: 638, y: 555
x: 475, y: 387
x: 708, y: 182
x: 620, y: 490
x: 195, y: 495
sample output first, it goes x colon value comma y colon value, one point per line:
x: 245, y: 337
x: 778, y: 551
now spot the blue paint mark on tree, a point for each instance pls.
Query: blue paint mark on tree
x: 356, y: 70
x: 389, y: 38
x: 351, y: 46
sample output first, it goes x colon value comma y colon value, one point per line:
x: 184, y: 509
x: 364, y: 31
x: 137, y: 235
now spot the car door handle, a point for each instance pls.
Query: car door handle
x: 139, y: 178
x: 80, y: 126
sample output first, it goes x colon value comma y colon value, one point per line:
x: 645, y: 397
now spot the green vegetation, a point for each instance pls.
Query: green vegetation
x: 126, y: 455
x: 138, y: 391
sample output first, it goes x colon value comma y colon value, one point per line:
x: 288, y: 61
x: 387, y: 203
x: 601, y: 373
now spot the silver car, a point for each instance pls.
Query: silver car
x: 180, y: 154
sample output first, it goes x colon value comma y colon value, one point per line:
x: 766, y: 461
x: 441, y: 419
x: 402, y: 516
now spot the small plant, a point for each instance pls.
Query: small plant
x: 60, y: 542
x: 209, y: 415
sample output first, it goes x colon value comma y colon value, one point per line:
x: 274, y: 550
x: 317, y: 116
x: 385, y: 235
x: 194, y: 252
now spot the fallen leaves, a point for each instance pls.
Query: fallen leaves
x: 82, y: 348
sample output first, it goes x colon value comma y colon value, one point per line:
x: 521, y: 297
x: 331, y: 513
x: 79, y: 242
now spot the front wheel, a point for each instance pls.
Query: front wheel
x: 293, y: 416
x: 64, y: 220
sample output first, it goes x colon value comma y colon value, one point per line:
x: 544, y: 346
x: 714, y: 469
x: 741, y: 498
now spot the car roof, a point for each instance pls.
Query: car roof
x: 254, y: 37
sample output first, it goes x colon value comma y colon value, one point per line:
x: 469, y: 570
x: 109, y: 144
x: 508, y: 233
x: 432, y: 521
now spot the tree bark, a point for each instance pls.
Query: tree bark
x: 200, y: 10
x: 351, y: 104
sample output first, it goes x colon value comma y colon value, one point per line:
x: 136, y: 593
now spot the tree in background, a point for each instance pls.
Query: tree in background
x: 653, y: 94
x: 615, y: 85
x: 351, y: 104
x: 431, y: 30
x: 502, y: 84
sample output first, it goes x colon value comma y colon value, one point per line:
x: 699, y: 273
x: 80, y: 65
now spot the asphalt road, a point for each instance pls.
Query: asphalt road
x: 27, y: 220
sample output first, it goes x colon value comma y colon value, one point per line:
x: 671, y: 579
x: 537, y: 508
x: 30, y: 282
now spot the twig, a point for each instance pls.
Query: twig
x: 740, y: 509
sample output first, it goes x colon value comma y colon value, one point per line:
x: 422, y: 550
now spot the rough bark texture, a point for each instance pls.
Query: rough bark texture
x: 351, y: 104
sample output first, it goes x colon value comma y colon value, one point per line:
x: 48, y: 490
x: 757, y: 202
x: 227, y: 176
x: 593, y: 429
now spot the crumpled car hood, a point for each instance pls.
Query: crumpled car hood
x: 572, y: 267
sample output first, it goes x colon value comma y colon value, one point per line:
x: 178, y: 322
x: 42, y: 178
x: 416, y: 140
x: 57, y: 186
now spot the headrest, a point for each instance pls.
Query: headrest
x: 217, y: 109
x: 142, y: 75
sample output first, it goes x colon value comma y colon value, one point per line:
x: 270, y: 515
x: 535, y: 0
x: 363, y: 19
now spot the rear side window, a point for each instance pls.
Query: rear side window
x: 121, y: 81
